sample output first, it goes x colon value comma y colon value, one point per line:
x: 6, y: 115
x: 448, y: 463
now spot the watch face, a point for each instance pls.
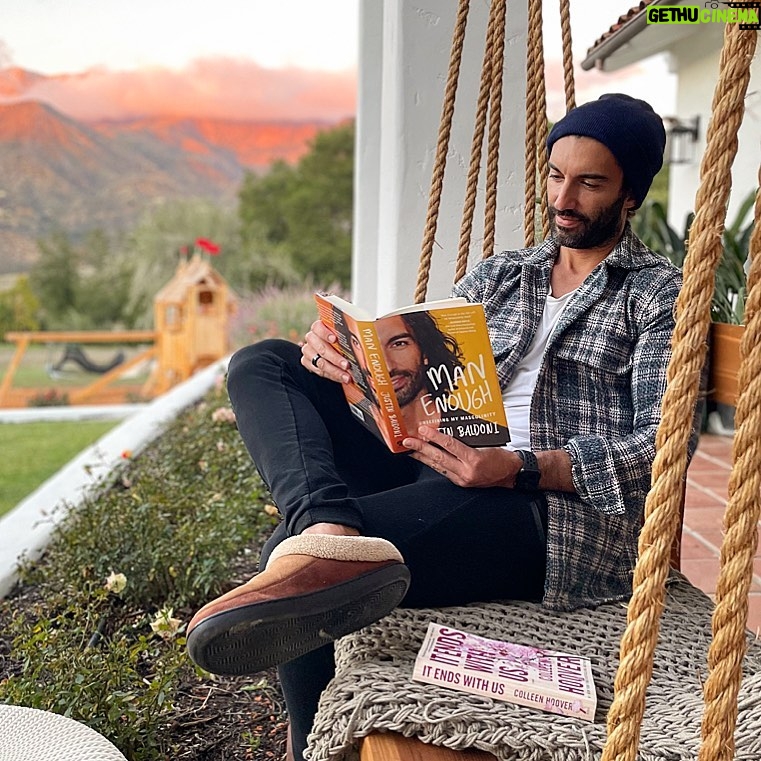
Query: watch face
x: 529, y: 475
x: 528, y: 480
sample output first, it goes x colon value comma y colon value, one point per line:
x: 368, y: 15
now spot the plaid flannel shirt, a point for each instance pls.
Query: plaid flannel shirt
x: 597, y: 395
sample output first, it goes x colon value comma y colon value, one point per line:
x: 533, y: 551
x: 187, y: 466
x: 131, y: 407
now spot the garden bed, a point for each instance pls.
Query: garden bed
x: 95, y: 629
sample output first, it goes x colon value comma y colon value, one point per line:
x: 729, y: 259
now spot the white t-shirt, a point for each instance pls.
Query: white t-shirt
x: 517, y: 396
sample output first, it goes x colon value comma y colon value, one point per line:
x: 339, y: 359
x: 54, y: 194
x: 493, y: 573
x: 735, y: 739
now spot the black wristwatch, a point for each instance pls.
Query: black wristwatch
x: 529, y: 475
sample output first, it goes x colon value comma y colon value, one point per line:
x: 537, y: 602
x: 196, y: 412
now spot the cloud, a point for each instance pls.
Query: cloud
x: 224, y: 88
x: 6, y: 55
x: 235, y: 88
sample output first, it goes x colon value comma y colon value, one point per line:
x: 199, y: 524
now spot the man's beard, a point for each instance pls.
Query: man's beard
x: 416, y: 383
x: 595, y: 231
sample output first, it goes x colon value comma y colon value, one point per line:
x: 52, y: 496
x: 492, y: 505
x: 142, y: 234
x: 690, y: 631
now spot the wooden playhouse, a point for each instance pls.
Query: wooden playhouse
x: 191, y: 314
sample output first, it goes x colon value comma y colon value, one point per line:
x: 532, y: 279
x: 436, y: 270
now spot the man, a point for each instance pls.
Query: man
x: 401, y: 338
x: 581, y: 329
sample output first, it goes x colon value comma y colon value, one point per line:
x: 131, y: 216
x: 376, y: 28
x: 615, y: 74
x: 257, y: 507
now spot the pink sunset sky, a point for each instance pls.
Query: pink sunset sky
x: 245, y: 59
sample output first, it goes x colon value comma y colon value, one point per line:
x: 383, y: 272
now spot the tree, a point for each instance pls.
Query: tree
x: 105, y: 274
x: 262, y: 209
x: 54, y: 277
x: 18, y: 308
x: 164, y: 235
x: 306, y: 210
x: 321, y: 220
x: 83, y: 286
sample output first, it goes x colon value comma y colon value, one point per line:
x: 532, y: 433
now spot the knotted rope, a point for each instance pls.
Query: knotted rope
x: 440, y: 162
x: 662, y: 508
x: 493, y: 59
x: 565, y: 31
x: 534, y: 71
x: 499, y: 8
x: 489, y: 105
x: 730, y: 616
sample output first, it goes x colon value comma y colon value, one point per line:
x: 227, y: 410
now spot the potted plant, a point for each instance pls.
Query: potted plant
x: 728, y: 307
x: 728, y: 302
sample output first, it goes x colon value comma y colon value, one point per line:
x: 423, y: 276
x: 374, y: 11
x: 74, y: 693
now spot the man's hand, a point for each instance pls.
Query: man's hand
x: 319, y: 356
x: 461, y: 464
x: 492, y: 466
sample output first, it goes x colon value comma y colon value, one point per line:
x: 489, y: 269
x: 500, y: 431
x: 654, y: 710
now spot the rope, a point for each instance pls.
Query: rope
x: 570, y: 99
x: 482, y: 106
x: 565, y: 30
x: 541, y: 136
x: 689, y: 349
x: 533, y: 54
x: 445, y: 130
x: 730, y: 617
x: 495, y: 122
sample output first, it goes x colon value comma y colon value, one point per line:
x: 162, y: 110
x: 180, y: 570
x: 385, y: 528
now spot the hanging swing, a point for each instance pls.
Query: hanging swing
x: 677, y: 676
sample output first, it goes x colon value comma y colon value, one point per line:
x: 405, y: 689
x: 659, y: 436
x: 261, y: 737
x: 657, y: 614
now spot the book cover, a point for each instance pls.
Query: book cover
x: 544, y: 679
x: 428, y: 363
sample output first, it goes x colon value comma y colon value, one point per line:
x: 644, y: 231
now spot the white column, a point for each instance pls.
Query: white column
x: 404, y: 59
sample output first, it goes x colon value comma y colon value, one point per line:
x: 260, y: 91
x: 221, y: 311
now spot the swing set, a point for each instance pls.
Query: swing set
x: 678, y: 676
x: 191, y: 318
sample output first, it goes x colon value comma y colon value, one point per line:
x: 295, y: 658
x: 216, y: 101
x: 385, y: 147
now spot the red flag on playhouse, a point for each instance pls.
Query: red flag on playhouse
x: 209, y: 246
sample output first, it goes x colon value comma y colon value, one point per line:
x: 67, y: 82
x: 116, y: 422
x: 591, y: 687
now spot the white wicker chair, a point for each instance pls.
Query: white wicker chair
x: 28, y: 734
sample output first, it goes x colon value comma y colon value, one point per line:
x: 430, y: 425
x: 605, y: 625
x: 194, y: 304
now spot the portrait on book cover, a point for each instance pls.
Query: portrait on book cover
x: 438, y: 379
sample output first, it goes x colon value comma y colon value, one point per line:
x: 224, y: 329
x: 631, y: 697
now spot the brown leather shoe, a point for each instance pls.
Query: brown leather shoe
x: 315, y: 589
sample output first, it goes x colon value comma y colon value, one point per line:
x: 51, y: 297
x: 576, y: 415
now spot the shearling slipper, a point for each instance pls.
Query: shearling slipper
x: 314, y: 589
x: 330, y: 547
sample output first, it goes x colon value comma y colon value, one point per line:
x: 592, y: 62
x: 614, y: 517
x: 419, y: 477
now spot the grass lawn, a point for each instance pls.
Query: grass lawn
x: 32, y: 452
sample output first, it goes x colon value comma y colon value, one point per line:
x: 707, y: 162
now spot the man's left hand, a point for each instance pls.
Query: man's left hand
x: 461, y: 464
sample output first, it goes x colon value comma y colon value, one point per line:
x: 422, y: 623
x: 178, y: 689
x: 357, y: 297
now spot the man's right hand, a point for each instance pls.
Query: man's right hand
x: 319, y: 356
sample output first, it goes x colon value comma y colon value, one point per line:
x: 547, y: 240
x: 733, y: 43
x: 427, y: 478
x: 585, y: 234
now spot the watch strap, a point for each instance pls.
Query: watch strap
x: 530, y: 461
x: 529, y: 475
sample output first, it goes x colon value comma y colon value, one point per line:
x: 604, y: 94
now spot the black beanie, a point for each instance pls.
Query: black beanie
x: 628, y: 128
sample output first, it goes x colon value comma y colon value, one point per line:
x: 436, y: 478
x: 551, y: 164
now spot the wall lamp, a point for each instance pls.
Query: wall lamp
x: 681, y: 137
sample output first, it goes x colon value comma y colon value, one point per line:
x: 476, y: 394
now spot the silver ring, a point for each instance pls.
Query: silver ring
x: 315, y: 359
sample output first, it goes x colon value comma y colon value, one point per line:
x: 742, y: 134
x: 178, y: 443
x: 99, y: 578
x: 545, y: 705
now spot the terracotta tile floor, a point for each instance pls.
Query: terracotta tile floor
x: 707, y: 480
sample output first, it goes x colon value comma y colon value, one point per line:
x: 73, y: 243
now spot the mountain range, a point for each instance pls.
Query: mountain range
x: 57, y: 172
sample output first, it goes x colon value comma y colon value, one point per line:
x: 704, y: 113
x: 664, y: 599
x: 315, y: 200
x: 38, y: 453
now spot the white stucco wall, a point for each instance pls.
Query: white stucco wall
x: 696, y: 61
x: 404, y: 58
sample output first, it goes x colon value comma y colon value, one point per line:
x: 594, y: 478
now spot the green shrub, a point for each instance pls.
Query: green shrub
x: 170, y: 530
x: 93, y: 633
x: 49, y: 398
x: 121, y: 685
x: 18, y: 307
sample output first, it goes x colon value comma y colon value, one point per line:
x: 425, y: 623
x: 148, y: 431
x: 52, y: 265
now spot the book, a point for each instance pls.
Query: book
x: 427, y: 363
x: 544, y: 679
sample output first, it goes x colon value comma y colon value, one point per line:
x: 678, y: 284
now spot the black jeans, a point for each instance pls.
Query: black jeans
x: 321, y: 465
